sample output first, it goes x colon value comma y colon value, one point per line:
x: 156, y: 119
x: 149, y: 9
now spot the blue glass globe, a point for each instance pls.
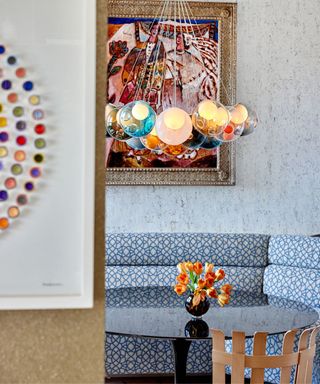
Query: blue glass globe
x: 137, y: 118
x: 135, y: 143
x: 210, y: 143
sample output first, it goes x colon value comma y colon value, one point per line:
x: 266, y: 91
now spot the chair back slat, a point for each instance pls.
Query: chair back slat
x: 259, y: 348
x: 312, y: 344
x: 307, y: 352
x: 218, y: 369
x: 238, y: 357
x: 301, y: 372
x: 287, y: 348
x: 302, y: 359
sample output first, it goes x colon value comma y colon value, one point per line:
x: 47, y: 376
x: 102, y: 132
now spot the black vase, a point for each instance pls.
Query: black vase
x: 196, y: 328
x: 198, y: 310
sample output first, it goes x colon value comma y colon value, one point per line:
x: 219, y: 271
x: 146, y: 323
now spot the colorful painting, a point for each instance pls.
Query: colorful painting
x: 159, y: 61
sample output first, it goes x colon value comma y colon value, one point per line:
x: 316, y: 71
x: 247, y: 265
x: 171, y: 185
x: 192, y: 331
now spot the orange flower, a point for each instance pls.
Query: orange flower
x: 182, y: 267
x: 183, y: 278
x: 210, y: 279
x: 198, y: 268
x: 209, y: 267
x: 196, y: 299
x: 212, y: 293
x: 189, y: 266
x: 226, y: 288
x: 203, y: 295
x: 209, y: 282
x: 210, y: 275
x: 180, y: 289
x: 223, y: 299
x: 201, y: 283
x: 220, y: 274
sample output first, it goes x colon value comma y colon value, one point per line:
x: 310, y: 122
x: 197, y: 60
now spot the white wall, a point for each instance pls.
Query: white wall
x: 278, y: 168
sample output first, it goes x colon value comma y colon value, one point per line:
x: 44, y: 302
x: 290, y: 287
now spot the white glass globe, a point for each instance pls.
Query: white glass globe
x: 173, y: 126
x: 208, y: 109
x: 140, y: 111
x: 239, y: 114
x: 210, y: 118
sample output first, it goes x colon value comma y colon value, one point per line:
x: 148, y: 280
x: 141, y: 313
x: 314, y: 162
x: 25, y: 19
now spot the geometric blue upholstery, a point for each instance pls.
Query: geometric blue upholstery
x: 170, y: 248
x: 300, y: 284
x: 284, y: 266
x: 242, y: 278
x: 295, y: 251
x: 294, y: 273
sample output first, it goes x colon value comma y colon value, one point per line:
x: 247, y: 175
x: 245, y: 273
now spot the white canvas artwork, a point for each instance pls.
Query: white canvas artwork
x: 47, y: 108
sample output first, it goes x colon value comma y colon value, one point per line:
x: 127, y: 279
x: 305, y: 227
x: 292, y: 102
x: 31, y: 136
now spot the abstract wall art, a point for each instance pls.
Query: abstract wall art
x: 22, y: 137
x: 47, y: 153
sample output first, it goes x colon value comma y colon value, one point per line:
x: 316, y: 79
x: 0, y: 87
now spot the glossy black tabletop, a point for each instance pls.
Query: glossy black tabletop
x: 158, y: 312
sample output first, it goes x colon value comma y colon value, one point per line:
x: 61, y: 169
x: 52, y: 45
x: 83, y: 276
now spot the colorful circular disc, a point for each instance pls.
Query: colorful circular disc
x: 38, y: 158
x: 3, y: 122
x: 12, y: 97
x: 13, y: 212
x: 22, y: 199
x: 29, y: 186
x: 21, y: 125
x: 4, y: 137
x: 40, y: 129
x: 34, y: 100
x: 3, y: 151
x: 16, y: 169
x: 40, y: 143
x: 38, y: 114
x: 12, y: 60
x: 10, y: 183
x: 35, y: 172
x: 28, y: 86
x: 21, y: 140
x: 6, y: 85
x: 4, y: 223
x: 3, y: 195
x: 21, y: 73
x: 18, y: 111
x: 20, y: 156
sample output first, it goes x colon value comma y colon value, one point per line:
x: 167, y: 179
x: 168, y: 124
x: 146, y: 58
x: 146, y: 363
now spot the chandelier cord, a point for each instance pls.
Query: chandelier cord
x: 175, y: 55
x: 158, y: 49
x: 160, y: 21
x: 158, y: 13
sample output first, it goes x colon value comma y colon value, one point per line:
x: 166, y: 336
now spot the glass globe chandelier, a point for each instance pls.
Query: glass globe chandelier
x: 173, y: 131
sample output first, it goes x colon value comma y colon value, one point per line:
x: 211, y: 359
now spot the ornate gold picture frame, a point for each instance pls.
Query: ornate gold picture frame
x: 224, y: 14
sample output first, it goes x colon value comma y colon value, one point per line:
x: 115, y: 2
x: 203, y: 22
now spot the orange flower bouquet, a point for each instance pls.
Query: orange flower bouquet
x: 200, y: 283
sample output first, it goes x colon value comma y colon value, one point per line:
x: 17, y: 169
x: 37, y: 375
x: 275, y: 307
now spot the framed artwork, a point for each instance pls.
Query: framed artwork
x: 206, y: 68
x: 47, y: 153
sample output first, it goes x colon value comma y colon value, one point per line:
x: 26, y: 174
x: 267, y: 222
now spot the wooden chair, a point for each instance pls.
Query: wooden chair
x: 259, y: 361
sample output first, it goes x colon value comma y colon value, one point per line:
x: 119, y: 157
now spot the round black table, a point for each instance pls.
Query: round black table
x: 157, y: 312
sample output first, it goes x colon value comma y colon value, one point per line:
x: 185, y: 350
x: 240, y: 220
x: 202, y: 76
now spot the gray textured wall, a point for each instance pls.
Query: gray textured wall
x: 278, y: 175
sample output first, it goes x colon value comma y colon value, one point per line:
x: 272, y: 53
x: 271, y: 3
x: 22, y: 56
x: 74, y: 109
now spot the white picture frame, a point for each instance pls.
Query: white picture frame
x: 47, y: 256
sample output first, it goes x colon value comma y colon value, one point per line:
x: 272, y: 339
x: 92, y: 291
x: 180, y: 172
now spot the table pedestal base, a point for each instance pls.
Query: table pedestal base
x: 180, y: 349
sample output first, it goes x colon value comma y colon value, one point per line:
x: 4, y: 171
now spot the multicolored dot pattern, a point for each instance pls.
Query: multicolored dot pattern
x: 22, y: 137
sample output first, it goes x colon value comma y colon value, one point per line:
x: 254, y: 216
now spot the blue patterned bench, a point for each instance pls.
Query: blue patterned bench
x: 252, y: 262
